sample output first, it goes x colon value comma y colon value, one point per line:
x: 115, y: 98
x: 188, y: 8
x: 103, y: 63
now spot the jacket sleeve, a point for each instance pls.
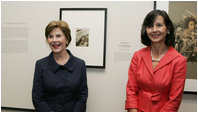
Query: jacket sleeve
x: 177, y: 86
x: 37, y: 91
x: 132, y: 85
x: 83, y: 92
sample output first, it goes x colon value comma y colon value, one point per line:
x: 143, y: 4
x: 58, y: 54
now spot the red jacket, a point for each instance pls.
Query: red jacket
x: 156, y: 90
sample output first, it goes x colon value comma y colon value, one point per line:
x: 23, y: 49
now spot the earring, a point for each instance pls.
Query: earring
x: 168, y: 32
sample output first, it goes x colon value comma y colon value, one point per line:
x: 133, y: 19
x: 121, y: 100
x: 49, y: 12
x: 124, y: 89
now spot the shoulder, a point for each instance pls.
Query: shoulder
x: 42, y: 61
x: 78, y: 61
x: 176, y: 53
x: 144, y: 50
x: 179, y: 62
x: 141, y: 52
x: 179, y: 58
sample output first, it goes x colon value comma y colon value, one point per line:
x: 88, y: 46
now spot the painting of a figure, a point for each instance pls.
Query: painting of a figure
x: 186, y: 38
x: 184, y: 17
x: 82, y: 37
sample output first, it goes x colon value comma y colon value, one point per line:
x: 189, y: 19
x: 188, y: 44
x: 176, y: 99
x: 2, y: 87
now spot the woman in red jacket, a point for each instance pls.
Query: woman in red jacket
x: 157, y: 73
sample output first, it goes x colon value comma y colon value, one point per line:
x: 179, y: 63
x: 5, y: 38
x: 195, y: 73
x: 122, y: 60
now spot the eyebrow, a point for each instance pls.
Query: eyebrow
x: 159, y: 23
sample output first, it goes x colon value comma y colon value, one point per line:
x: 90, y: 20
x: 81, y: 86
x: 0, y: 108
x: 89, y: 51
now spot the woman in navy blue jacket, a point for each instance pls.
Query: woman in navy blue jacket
x: 60, y: 82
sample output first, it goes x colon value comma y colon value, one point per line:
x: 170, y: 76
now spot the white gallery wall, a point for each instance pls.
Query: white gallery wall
x: 107, y: 87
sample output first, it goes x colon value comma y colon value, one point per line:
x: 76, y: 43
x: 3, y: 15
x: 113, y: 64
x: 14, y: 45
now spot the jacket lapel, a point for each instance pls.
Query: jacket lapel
x: 146, y: 56
x: 167, y: 58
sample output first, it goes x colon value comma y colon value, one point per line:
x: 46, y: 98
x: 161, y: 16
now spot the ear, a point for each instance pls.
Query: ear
x: 67, y: 43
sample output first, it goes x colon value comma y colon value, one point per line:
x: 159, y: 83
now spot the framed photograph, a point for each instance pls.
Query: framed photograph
x: 184, y: 17
x: 88, y: 32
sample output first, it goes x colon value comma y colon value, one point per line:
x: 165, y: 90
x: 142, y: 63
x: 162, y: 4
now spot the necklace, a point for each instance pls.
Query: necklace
x: 157, y: 60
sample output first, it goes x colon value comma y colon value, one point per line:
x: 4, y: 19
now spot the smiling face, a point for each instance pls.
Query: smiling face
x: 57, y: 41
x: 157, y: 32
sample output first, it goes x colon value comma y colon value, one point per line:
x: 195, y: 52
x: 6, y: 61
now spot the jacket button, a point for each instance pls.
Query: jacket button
x: 61, y: 105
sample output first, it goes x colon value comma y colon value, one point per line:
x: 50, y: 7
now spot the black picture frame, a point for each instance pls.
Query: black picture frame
x: 87, y: 24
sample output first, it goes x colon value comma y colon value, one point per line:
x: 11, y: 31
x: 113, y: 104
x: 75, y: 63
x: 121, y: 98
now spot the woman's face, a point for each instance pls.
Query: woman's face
x: 191, y: 25
x: 157, y: 32
x: 57, y: 40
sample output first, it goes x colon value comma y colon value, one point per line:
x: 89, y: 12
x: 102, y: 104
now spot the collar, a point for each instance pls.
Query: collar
x: 69, y: 65
x: 168, y: 57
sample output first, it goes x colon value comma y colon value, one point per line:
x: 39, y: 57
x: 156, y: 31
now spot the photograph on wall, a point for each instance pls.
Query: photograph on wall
x: 184, y: 17
x: 82, y: 37
x: 88, y: 32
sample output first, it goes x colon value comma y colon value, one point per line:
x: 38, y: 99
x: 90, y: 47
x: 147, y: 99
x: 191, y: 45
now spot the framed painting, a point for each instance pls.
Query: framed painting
x: 88, y: 32
x: 184, y: 17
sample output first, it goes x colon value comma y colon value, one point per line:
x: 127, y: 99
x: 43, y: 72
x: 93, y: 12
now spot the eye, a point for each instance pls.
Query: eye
x: 50, y: 36
x: 58, y: 35
x: 149, y: 25
x: 159, y: 24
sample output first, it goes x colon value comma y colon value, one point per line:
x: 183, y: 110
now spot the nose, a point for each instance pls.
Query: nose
x: 154, y: 28
x: 54, y: 39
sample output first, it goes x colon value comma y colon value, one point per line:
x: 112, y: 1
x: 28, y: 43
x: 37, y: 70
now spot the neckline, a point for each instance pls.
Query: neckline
x: 157, y: 60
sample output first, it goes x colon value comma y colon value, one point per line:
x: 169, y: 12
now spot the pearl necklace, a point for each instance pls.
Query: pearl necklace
x: 157, y: 60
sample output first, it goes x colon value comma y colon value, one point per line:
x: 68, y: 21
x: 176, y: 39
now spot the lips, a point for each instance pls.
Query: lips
x: 155, y: 35
x: 55, y: 46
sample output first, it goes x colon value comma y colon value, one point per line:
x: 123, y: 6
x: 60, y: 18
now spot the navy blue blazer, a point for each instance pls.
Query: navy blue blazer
x: 60, y: 87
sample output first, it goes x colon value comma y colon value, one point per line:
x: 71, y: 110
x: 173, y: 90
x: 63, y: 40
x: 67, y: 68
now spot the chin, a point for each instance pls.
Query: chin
x: 59, y: 50
x: 56, y: 51
x: 157, y: 39
x: 158, y: 42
